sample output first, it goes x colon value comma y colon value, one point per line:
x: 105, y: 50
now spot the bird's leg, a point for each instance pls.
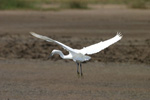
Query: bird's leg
x: 78, y: 68
x: 81, y: 69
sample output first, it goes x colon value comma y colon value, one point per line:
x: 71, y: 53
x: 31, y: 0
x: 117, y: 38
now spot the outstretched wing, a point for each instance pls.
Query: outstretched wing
x: 51, y: 40
x: 101, y: 45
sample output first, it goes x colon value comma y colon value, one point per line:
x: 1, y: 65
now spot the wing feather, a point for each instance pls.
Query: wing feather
x: 101, y: 45
x: 51, y: 40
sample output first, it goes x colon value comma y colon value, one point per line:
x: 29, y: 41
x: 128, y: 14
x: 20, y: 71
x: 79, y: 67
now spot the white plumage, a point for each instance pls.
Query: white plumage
x: 80, y: 55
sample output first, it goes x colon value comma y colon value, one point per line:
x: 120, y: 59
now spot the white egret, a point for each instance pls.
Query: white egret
x: 80, y: 55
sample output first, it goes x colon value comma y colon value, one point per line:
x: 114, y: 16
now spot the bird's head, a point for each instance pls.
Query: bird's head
x: 52, y: 53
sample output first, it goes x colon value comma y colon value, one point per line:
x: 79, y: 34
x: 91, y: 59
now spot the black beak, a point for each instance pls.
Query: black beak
x: 49, y: 56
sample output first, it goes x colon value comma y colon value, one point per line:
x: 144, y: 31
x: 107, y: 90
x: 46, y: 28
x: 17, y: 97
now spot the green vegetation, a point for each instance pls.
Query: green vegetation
x: 75, y: 5
x: 16, y: 4
x: 72, y: 4
x: 23, y: 4
x: 141, y: 4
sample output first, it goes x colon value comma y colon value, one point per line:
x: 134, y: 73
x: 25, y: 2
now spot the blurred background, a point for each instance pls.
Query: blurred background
x: 120, y: 72
x: 77, y: 23
x: 59, y: 4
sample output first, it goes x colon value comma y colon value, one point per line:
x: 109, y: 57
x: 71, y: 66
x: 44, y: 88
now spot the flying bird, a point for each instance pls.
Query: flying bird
x: 80, y: 55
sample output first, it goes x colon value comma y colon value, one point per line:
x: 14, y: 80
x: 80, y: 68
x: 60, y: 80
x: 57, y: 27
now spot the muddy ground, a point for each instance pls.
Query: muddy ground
x: 120, y: 72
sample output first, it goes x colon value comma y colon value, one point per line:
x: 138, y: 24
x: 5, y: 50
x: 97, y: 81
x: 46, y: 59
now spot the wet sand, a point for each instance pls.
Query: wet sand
x: 40, y: 80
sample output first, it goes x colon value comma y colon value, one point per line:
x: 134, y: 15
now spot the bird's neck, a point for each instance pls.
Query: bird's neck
x: 62, y: 55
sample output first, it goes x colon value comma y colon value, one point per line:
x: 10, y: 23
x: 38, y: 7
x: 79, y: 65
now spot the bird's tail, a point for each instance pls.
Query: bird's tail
x: 87, y: 58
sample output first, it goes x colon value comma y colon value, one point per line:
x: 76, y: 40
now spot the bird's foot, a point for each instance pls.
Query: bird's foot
x: 82, y: 75
x: 78, y: 74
